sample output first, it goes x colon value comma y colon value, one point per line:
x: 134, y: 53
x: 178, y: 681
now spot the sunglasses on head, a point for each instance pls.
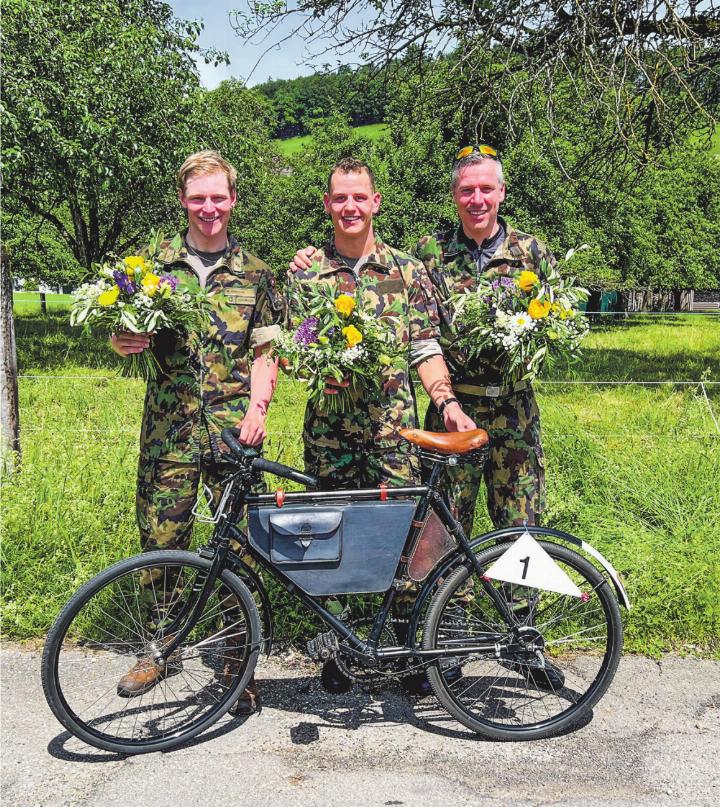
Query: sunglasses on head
x: 483, y: 148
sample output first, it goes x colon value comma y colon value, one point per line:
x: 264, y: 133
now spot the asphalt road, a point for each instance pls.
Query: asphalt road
x: 654, y: 739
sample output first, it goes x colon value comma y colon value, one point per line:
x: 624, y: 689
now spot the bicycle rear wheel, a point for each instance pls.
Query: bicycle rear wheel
x: 118, y: 619
x: 543, y: 674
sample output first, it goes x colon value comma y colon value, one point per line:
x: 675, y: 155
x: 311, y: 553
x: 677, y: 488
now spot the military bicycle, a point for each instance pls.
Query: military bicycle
x: 518, y: 630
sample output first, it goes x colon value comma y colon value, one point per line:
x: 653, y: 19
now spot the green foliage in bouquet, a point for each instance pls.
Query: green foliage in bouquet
x: 136, y: 294
x: 333, y: 336
x: 528, y: 320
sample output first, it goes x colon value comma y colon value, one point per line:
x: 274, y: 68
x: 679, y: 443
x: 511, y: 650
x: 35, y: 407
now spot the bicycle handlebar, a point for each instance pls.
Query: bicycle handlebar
x: 277, y: 468
x: 230, y: 438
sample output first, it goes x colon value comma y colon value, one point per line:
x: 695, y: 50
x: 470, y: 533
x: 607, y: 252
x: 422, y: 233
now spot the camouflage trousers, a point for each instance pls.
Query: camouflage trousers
x: 514, y: 473
x: 166, y: 495
x: 343, y: 452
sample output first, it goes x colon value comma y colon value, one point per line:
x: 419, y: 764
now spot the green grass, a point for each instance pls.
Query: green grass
x: 28, y: 302
x: 292, y: 145
x: 632, y: 469
x: 715, y: 142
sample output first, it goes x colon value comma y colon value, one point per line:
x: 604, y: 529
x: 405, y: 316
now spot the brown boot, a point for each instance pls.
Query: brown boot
x: 249, y: 702
x: 145, y: 673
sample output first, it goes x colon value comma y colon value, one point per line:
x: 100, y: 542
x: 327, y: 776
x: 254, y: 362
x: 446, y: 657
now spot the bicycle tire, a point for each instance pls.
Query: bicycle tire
x: 108, y: 625
x: 511, y: 697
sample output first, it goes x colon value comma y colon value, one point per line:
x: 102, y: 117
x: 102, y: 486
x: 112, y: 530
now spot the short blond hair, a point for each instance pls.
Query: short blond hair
x: 349, y: 165
x: 202, y: 163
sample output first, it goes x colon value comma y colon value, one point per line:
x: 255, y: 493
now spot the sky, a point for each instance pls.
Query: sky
x: 289, y: 61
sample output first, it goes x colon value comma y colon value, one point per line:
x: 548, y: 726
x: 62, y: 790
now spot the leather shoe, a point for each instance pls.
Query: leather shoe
x: 144, y: 674
x: 334, y: 679
x: 419, y: 684
x: 249, y: 702
x: 550, y: 677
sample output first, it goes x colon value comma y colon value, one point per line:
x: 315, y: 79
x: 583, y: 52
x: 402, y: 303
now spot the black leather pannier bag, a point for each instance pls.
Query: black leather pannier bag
x: 344, y: 548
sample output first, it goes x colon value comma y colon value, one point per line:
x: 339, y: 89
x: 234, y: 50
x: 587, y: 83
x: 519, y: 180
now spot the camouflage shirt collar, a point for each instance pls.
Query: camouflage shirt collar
x: 380, y: 258
x: 459, y: 243
x: 175, y: 251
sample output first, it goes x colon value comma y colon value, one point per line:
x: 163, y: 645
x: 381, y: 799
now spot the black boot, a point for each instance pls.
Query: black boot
x: 334, y: 679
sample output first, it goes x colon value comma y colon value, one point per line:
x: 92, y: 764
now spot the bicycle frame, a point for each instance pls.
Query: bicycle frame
x: 365, y: 651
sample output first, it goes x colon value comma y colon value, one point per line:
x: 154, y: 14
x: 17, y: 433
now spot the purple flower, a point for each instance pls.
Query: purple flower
x: 495, y: 285
x: 170, y: 280
x: 124, y: 282
x: 507, y: 282
x: 307, y: 331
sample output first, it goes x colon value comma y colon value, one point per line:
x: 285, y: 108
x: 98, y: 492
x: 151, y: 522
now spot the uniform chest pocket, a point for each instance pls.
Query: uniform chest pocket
x: 232, y: 316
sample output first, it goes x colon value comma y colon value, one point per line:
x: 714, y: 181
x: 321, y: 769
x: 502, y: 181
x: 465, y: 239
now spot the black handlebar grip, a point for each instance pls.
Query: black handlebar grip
x: 230, y: 438
x: 277, y: 468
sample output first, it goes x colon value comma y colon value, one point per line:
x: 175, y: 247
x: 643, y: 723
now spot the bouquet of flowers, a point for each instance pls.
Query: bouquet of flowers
x: 135, y: 294
x: 333, y: 337
x: 528, y: 319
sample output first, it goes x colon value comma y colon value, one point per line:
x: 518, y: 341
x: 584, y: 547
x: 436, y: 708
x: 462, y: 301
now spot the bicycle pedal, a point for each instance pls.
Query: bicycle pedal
x: 323, y: 646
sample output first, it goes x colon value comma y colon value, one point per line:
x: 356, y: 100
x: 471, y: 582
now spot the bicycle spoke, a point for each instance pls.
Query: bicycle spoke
x: 117, y: 631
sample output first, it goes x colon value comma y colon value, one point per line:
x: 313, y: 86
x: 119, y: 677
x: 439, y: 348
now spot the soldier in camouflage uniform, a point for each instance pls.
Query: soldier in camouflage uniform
x: 484, y: 243
x: 205, y: 382
x: 362, y: 447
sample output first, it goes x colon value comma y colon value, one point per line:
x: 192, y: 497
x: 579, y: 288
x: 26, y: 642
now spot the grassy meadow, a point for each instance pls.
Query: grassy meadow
x: 632, y: 468
x: 292, y: 145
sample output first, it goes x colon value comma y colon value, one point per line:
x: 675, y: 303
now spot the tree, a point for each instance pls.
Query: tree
x: 643, y: 72
x: 96, y: 117
x: 238, y: 122
x: 9, y: 417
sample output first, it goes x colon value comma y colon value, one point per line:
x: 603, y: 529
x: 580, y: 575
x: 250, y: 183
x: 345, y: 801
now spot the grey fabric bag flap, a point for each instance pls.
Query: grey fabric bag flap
x: 306, y: 537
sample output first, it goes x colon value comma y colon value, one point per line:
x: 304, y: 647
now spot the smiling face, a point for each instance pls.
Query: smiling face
x: 351, y: 203
x: 209, y: 203
x: 478, y: 194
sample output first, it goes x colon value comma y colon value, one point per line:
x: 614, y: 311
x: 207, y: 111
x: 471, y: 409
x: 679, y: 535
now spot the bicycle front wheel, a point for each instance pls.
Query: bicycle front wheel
x: 114, y: 625
x: 540, y: 674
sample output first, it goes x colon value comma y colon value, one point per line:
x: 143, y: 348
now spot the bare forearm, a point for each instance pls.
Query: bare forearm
x: 263, y: 379
x: 435, y: 377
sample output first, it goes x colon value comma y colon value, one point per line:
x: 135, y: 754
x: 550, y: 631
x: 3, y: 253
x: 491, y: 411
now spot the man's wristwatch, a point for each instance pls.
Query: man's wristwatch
x: 441, y: 407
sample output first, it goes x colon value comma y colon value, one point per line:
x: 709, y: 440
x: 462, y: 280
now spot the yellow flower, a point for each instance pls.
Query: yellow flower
x: 345, y: 304
x: 352, y: 334
x: 135, y: 263
x: 150, y: 284
x: 109, y: 297
x: 527, y: 280
x: 561, y: 310
x: 538, y: 309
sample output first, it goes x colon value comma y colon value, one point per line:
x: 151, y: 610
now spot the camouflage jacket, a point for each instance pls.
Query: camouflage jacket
x: 450, y: 263
x: 204, y: 381
x: 395, y: 276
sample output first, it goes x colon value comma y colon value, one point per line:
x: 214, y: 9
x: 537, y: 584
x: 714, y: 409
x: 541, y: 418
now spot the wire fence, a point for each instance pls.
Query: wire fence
x: 701, y: 386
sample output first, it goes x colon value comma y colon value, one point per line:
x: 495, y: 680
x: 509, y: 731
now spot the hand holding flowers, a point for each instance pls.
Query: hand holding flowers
x: 336, y: 346
x: 528, y: 320
x: 135, y: 296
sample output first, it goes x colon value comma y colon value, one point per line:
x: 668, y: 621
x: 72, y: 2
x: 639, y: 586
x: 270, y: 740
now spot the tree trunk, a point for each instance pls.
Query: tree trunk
x: 9, y: 413
x: 683, y: 299
x: 43, y: 303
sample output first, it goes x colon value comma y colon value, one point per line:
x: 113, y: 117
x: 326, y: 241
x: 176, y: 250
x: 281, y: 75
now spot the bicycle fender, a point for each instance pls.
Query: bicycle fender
x: 584, y: 546
x: 254, y: 582
x: 493, y: 537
